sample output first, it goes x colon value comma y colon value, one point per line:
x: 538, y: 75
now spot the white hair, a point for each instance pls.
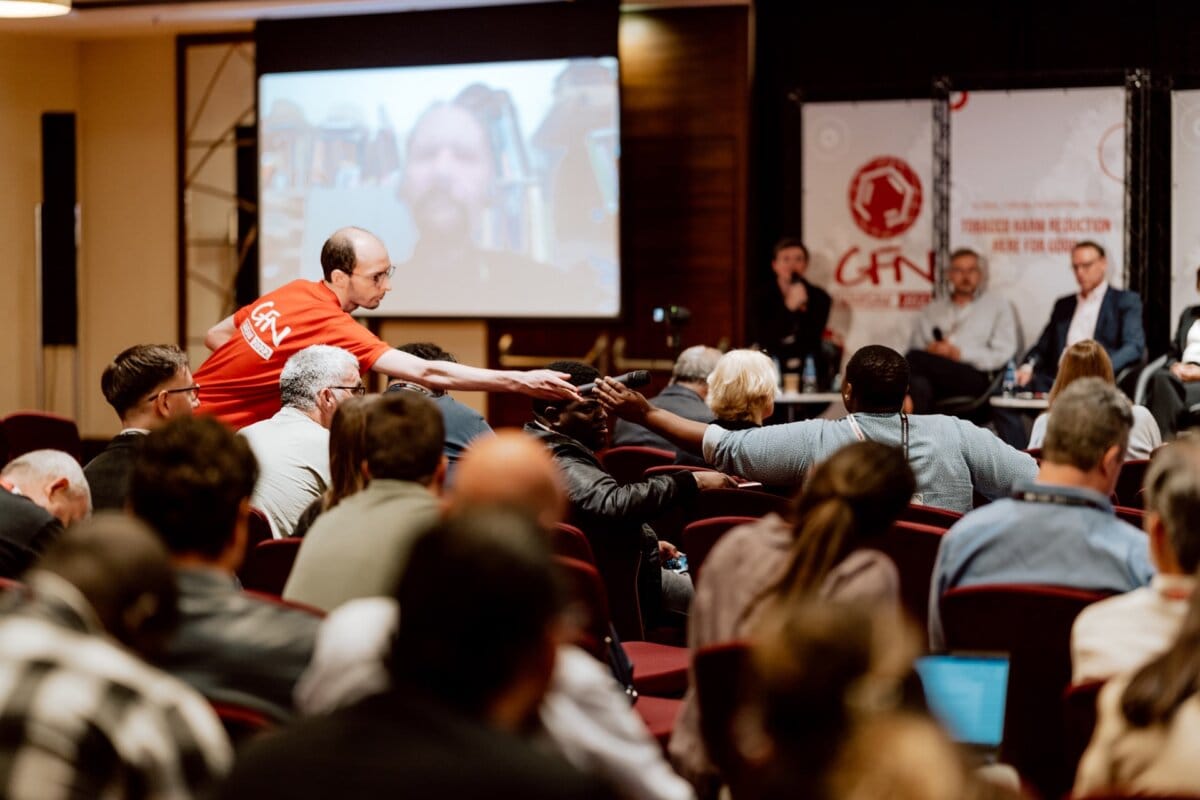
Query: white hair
x: 312, y: 369
x: 45, y: 466
x: 742, y: 386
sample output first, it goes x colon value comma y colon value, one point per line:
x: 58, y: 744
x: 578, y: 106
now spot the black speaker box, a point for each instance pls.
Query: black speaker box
x: 60, y: 292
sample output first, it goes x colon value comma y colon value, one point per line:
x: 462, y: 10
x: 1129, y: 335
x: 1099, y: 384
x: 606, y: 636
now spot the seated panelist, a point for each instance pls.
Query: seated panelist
x: 1175, y: 388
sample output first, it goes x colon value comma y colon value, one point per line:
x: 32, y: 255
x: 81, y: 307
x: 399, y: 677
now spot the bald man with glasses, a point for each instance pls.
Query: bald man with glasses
x: 250, y: 347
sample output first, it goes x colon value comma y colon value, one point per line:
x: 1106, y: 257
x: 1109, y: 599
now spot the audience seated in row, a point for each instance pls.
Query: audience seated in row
x: 851, y: 499
x: 1059, y: 529
x: 1122, y: 633
x: 41, y: 492
x: 1087, y: 359
x: 950, y: 457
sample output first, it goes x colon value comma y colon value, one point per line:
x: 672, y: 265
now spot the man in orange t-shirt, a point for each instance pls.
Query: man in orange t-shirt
x: 240, y: 380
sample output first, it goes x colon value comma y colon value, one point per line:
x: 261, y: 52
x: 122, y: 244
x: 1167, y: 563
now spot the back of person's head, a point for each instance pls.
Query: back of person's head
x: 427, y: 351
x: 1089, y: 417
x: 851, y: 499
x: 579, y: 373
x: 742, y: 387
x: 54, y: 480
x: 123, y: 571
x: 137, y: 371
x: 404, y: 438
x: 191, y: 481
x: 317, y: 367
x: 1173, y: 493
x: 694, y: 364
x: 878, y: 378
x: 513, y: 470
x: 901, y: 756
x: 347, y: 449
x: 469, y: 648
x: 1084, y: 359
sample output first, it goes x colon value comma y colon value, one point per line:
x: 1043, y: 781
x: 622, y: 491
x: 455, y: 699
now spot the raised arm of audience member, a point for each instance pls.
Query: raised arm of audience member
x: 633, y: 406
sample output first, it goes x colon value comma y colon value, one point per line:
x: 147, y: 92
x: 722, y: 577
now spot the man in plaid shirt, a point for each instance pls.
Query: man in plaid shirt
x: 81, y: 715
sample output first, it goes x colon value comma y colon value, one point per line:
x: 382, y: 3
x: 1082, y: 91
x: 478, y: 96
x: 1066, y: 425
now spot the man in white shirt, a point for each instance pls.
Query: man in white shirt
x: 292, y: 447
x: 1112, y: 317
x: 1124, y: 632
x: 960, y: 341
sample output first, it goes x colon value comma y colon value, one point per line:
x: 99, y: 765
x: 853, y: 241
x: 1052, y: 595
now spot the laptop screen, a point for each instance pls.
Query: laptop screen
x: 967, y: 694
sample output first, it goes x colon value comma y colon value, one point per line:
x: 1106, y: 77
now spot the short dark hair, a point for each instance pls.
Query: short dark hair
x: 427, y: 351
x: 515, y: 595
x: 1089, y: 243
x: 580, y: 374
x: 878, y: 378
x: 136, y: 371
x: 189, y: 479
x: 963, y: 252
x: 338, y: 254
x: 785, y: 243
x: 405, y: 436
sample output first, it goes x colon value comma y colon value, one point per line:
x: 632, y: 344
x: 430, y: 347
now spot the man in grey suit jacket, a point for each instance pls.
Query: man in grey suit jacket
x: 1112, y: 317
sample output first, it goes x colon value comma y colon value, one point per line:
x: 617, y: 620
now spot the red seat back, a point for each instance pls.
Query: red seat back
x: 739, y: 503
x: 627, y: 464
x: 671, y: 469
x: 1079, y: 718
x: 1134, y: 516
x: 1033, y: 625
x: 913, y: 547
x: 701, y: 536
x: 38, y: 430
x: 587, y: 591
x: 258, y: 529
x: 241, y: 723
x: 930, y: 515
x: 567, y: 540
x: 268, y: 565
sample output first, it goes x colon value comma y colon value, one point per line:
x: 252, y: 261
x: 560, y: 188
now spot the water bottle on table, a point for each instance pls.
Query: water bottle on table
x: 808, y: 379
x: 1010, y: 378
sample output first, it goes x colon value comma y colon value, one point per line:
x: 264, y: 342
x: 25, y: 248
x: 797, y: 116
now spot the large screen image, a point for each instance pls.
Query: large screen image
x: 494, y: 186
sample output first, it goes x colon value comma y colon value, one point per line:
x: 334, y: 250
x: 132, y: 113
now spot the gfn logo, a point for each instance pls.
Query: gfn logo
x: 885, y: 197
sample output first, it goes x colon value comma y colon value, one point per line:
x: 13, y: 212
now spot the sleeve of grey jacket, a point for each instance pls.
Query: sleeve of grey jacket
x: 776, y: 455
x: 995, y: 466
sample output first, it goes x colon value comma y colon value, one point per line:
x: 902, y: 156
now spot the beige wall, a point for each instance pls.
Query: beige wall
x: 123, y: 91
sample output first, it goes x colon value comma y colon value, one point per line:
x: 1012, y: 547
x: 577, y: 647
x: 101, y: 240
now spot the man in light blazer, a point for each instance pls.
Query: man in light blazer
x: 1113, y: 317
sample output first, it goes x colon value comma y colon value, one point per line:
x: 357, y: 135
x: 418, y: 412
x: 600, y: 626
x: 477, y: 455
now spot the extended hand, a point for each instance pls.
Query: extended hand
x: 666, y: 550
x: 1024, y: 374
x: 714, y: 480
x: 796, y: 297
x: 1187, y: 373
x: 945, y: 350
x: 547, y: 384
x: 621, y: 400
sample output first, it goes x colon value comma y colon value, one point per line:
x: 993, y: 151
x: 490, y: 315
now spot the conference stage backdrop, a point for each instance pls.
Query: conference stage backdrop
x: 1032, y: 172
x: 866, y: 214
x: 1185, y: 200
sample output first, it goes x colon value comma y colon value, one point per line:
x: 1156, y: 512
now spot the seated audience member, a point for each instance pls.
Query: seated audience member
x: 468, y: 671
x: 1123, y: 632
x: 1059, y: 530
x: 1174, y: 389
x: 1113, y: 317
x: 585, y: 714
x: 1087, y: 359
x: 741, y: 389
x: 960, y: 341
x: 41, y: 492
x: 463, y: 423
x: 685, y: 395
x: 850, y: 502
x: 790, y: 314
x: 85, y: 716
x: 360, y: 547
x: 1147, y: 735
x: 292, y: 447
x: 347, y: 450
x: 192, y: 482
x: 615, y: 516
x: 950, y: 457
x: 146, y: 385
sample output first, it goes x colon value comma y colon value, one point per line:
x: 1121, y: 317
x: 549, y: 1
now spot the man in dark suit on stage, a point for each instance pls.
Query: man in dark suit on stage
x: 147, y: 385
x: 1112, y: 317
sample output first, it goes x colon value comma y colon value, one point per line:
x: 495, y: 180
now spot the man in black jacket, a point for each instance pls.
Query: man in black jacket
x: 41, y: 492
x: 613, y: 516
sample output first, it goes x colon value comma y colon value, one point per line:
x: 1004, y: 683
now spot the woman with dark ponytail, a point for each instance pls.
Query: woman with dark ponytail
x: 848, y: 503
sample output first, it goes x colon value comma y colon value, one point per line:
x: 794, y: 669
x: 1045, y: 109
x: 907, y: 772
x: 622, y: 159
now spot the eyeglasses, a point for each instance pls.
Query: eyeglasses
x: 357, y: 391
x: 193, y: 390
x: 378, y: 278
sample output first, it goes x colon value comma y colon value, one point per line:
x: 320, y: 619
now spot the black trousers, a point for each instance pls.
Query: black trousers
x: 932, y: 378
x: 1169, y: 399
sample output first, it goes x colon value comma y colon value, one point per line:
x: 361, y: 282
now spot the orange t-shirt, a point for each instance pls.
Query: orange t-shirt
x: 239, y: 383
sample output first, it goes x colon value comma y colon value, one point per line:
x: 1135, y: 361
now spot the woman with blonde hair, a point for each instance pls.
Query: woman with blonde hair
x: 741, y: 389
x: 1087, y: 359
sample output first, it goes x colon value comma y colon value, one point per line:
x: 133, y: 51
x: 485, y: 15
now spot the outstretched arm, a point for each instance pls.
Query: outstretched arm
x: 220, y: 333
x: 448, y: 375
x: 630, y: 405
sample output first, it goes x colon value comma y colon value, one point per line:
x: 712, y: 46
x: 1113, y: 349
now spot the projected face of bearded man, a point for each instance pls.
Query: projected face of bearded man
x: 448, y: 173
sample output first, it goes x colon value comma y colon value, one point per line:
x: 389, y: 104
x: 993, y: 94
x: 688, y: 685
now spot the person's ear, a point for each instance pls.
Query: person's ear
x: 1161, y: 552
x: 161, y: 405
x: 439, y: 475
x: 552, y: 415
x: 60, y: 484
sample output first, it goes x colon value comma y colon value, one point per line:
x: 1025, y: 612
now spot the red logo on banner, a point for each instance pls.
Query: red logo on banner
x: 885, y: 197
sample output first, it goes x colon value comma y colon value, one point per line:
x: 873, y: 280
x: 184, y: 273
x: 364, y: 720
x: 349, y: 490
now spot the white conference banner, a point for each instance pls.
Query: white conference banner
x: 1185, y: 201
x: 867, y: 217
x: 1032, y: 172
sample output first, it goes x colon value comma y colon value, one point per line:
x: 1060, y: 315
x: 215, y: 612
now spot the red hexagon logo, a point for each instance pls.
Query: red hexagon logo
x: 885, y: 197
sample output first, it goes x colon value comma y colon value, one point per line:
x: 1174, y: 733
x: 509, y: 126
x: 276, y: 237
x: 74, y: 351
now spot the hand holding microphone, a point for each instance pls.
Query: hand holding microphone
x: 639, y: 377
x: 617, y: 398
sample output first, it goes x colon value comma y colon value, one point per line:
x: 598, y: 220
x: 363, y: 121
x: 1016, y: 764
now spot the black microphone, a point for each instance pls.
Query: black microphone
x: 639, y: 377
x: 937, y: 334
